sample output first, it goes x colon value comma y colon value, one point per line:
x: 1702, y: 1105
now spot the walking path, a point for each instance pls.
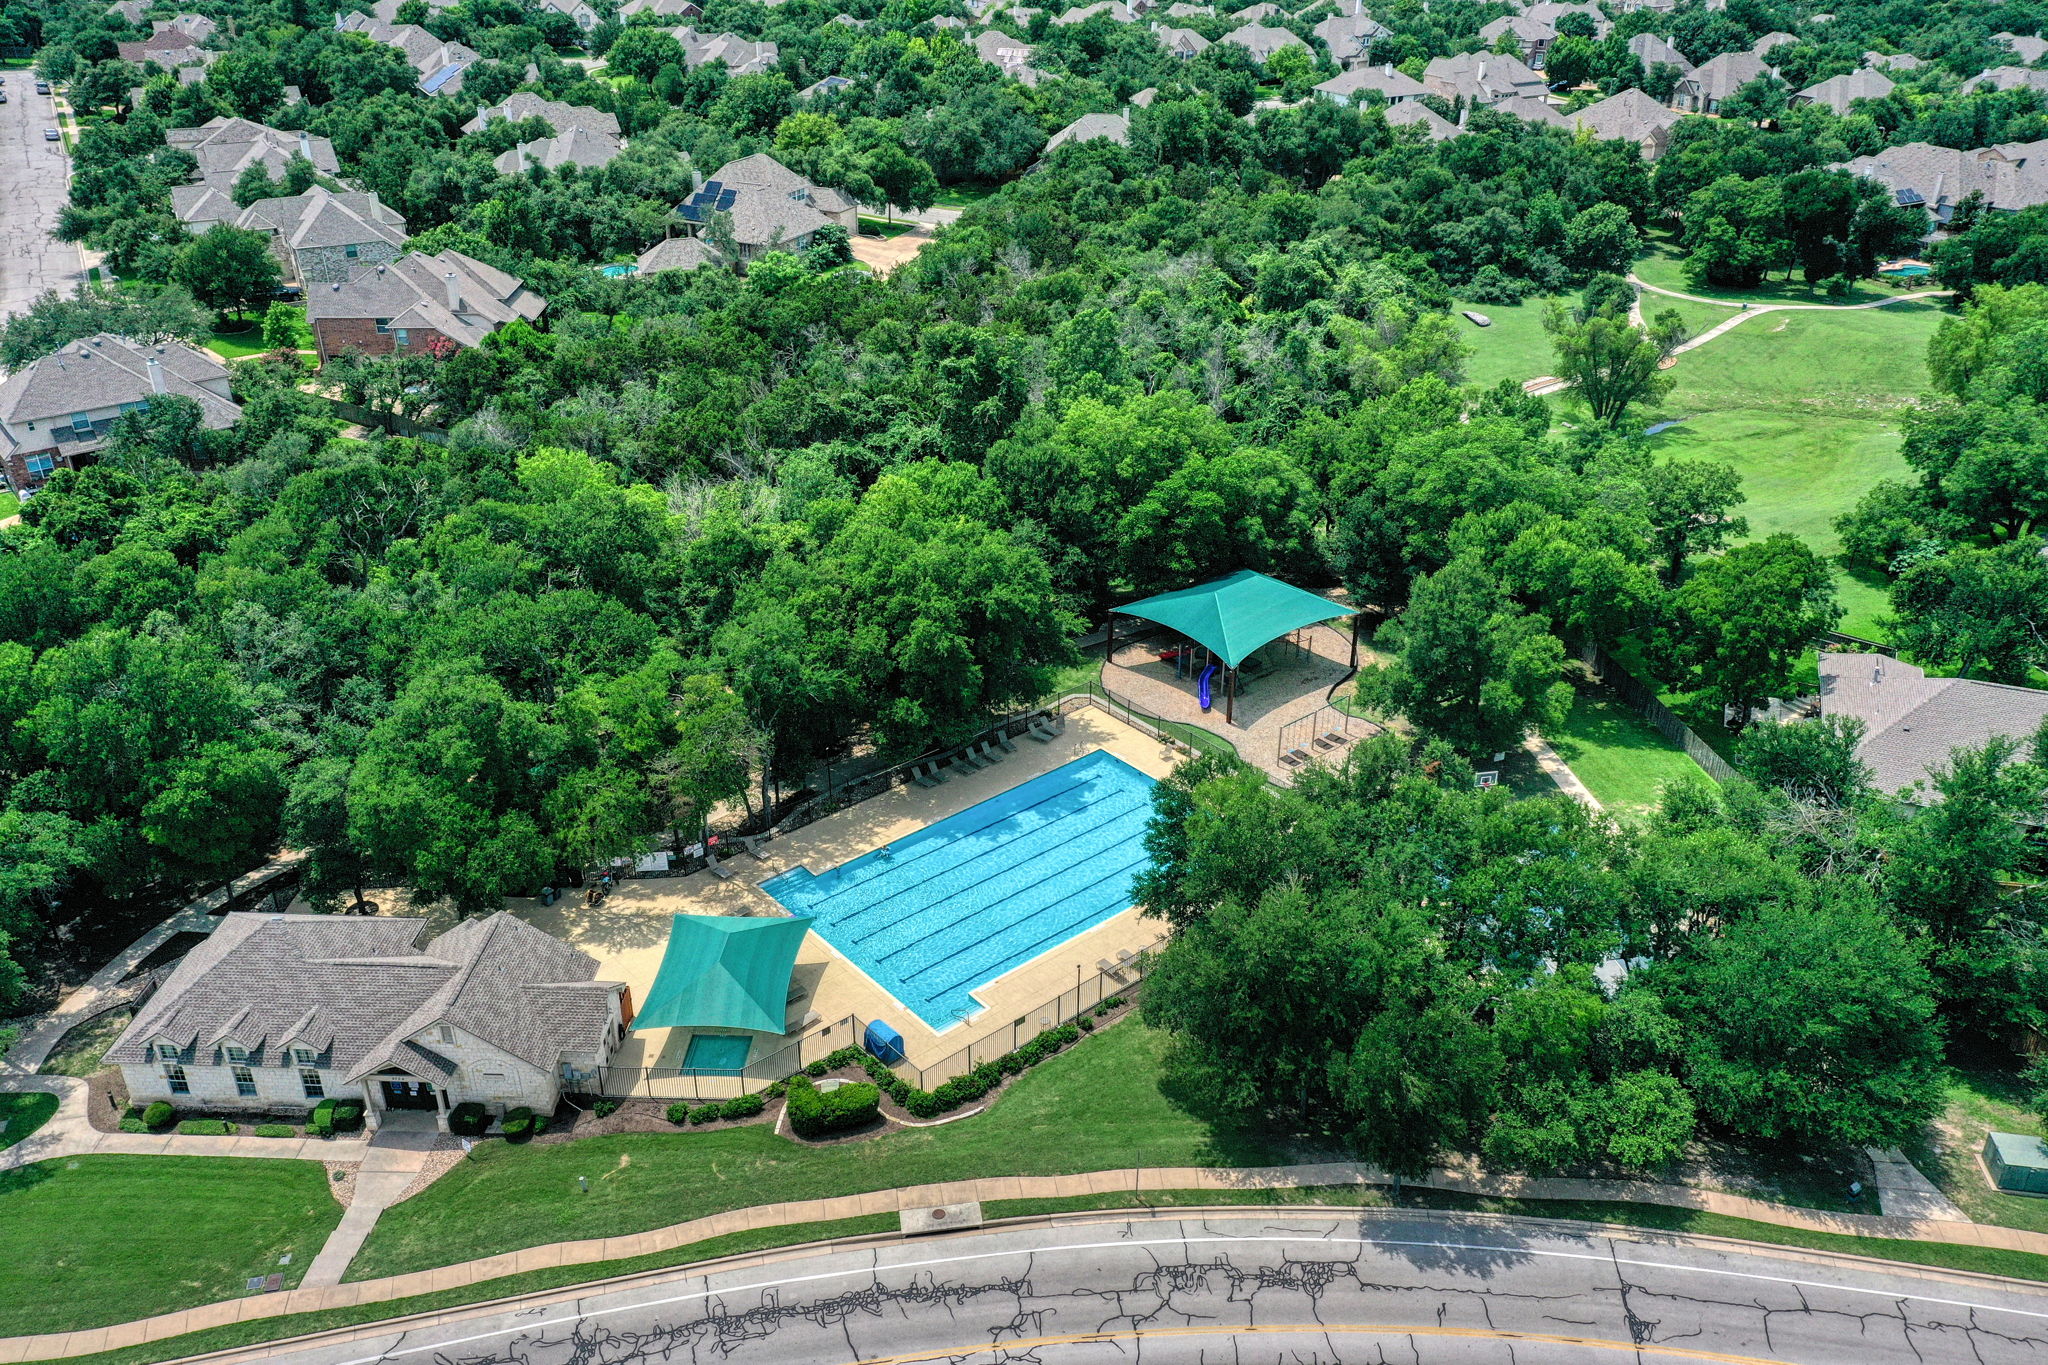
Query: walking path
x: 312, y: 1298
x: 391, y: 1161
x: 1560, y: 772
x: 1903, y: 1192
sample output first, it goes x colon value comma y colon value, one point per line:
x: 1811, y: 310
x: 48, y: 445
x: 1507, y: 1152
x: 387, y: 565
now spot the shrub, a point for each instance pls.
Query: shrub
x: 742, y: 1107
x: 469, y: 1119
x: 1087, y: 1022
x: 521, y: 1124
x: 320, y: 1123
x: 605, y: 1107
x: 705, y: 1113
x: 206, y: 1128
x: 679, y: 1113
x: 348, y: 1115
x: 158, y: 1115
x: 131, y: 1124
x: 815, y: 1113
x: 274, y: 1130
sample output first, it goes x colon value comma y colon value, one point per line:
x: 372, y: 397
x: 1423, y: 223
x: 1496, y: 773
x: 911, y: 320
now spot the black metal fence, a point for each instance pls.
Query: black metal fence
x: 1619, y: 681
x: 674, y: 1083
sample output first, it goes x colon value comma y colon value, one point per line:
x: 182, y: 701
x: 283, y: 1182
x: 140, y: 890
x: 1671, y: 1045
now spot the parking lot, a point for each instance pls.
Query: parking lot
x: 33, y: 170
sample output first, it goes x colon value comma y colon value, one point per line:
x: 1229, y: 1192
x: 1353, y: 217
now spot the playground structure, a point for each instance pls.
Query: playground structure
x: 1325, y: 732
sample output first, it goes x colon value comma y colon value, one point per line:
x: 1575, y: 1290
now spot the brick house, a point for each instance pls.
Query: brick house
x: 321, y: 237
x: 416, y: 302
x: 55, y: 412
x: 224, y: 147
x: 273, y: 1013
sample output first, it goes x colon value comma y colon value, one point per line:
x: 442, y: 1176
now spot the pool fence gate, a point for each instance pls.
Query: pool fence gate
x: 1108, y: 981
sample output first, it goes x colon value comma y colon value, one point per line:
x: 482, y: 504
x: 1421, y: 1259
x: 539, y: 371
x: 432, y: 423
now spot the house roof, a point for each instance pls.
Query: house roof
x: 667, y: 9
x: 1839, y: 92
x: 1180, y: 40
x: 1629, y: 116
x: 740, y: 55
x: 1893, y: 61
x: 1000, y: 49
x: 1761, y: 48
x: 2008, y: 78
x: 1651, y: 49
x: 225, y: 147
x: 359, y: 990
x: 199, y: 207
x: 827, y: 86
x: 1912, y: 722
x: 321, y: 218
x: 576, y: 147
x: 763, y: 172
x: 2029, y: 49
x: 1550, y: 11
x: 1719, y: 77
x: 677, y: 253
x: 1262, y: 41
x: 1531, y: 110
x: 1349, y: 36
x: 412, y: 291
x: 1383, y: 80
x: 105, y: 371
x: 1525, y: 29
x: 1482, y: 77
x: 560, y: 115
x: 1115, y: 9
x: 1087, y: 128
x: 1922, y: 175
x: 1416, y: 114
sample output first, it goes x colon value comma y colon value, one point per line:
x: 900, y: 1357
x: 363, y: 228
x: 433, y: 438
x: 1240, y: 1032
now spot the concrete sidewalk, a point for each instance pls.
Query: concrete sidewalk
x: 389, y: 1164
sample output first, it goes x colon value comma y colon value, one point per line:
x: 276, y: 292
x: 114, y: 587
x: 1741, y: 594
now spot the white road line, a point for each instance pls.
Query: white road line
x: 872, y: 1272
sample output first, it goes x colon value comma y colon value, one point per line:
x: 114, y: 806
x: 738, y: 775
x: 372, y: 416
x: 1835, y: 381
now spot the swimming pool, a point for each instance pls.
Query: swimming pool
x: 952, y: 907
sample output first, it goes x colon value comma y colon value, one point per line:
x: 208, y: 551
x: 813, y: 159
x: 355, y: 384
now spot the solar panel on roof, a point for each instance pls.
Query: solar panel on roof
x: 711, y: 187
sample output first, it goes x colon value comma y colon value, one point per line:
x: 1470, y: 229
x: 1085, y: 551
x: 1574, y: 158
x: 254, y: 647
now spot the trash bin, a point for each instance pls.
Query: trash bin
x: 548, y: 895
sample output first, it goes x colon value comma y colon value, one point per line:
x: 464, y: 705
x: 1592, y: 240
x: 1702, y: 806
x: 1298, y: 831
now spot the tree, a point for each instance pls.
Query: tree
x: 1251, y: 509
x: 642, y: 52
x: 1811, y: 1027
x: 1977, y: 610
x: 1688, y: 510
x: 247, y: 79
x: 229, y: 269
x: 218, y: 813
x: 1747, y: 616
x: 1610, y: 362
x: 1809, y: 760
x: 283, y: 330
x: 1601, y: 239
x: 1470, y: 665
x: 54, y: 320
x: 1734, y: 232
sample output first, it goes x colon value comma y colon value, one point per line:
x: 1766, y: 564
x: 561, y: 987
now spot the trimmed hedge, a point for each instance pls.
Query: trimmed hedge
x: 679, y: 1113
x: 705, y: 1113
x: 206, y: 1128
x: 522, y: 1123
x: 132, y: 1124
x: 816, y: 1113
x: 273, y: 1130
x: 929, y: 1104
x: 158, y: 1115
x: 742, y: 1107
x: 469, y: 1119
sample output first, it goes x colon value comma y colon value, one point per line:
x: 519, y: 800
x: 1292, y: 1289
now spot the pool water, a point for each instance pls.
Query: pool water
x: 717, y: 1053
x: 941, y: 912
x: 1903, y: 271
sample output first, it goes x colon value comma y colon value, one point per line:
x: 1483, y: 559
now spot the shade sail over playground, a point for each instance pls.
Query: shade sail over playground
x: 1234, y: 616
x: 724, y: 971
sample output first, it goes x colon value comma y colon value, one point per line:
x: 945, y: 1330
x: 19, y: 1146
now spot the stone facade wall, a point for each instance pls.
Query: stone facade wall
x: 213, y: 1087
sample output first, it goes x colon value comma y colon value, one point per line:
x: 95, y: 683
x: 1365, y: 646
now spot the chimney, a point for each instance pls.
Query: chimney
x: 156, y: 375
x: 306, y: 145
x: 454, y: 292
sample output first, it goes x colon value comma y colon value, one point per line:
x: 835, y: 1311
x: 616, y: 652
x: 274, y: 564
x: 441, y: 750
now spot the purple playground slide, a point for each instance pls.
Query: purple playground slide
x: 1207, y: 674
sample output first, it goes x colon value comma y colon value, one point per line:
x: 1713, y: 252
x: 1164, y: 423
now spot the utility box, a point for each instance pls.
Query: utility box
x: 2016, y: 1162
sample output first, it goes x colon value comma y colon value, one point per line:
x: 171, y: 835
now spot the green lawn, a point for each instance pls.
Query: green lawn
x: 1621, y: 757
x: 236, y: 343
x: 1982, y: 1099
x: 1515, y: 347
x: 1664, y: 266
x: 81, y: 1051
x: 104, y: 1239
x: 1099, y: 1106
x: 884, y: 227
x: 963, y: 196
x: 22, y: 1114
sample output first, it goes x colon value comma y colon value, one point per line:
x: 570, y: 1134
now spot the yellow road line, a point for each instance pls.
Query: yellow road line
x: 960, y: 1353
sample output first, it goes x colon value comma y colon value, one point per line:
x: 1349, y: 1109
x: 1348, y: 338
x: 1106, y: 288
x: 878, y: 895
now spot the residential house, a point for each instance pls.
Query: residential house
x: 1532, y: 37
x: 1839, y: 92
x: 173, y: 49
x: 1761, y: 49
x: 830, y: 85
x: 440, y: 65
x: 2008, y: 78
x: 770, y: 206
x: 197, y: 27
x: 665, y: 9
x: 1652, y: 50
x: 1706, y: 86
x: 321, y: 237
x: 946, y: 21
x: 1388, y: 84
x: 1143, y: 99
x: 273, y: 1013
x: 560, y: 115
x: 386, y: 11
x: 1550, y: 11
x: 2028, y: 50
x: 1087, y: 128
x: 1259, y: 13
x: 416, y: 303
x: 2009, y: 177
x: 1183, y: 43
x: 1630, y: 116
x: 1530, y: 110
x: 1182, y: 10
x: 742, y: 56
x: 1115, y: 9
x: 1893, y: 61
x: 1481, y: 78
x: 1416, y: 114
x: 1261, y: 41
x: 1912, y: 722
x: 1350, y: 37
x: 579, y: 147
x: 678, y: 253
x: 224, y: 148
x: 56, y: 411
x: 578, y: 13
x: 1012, y: 56
x: 130, y: 11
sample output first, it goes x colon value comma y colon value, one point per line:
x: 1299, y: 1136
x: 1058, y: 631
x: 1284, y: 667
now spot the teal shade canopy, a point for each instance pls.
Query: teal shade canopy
x: 724, y: 971
x: 1235, y: 615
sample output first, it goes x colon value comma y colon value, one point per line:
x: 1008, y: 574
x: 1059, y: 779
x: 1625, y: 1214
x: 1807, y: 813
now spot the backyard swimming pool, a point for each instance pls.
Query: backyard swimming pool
x: 943, y: 911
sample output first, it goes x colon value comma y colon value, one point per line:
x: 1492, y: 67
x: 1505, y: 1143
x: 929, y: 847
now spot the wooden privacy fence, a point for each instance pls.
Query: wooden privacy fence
x: 1619, y: 681
x: 389, y: 421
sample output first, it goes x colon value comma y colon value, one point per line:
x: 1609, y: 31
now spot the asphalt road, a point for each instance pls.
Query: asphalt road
x: 32, y: 177
x: 1340, y: 1289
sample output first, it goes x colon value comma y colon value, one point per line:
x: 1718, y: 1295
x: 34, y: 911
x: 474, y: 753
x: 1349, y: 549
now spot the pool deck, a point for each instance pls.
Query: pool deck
x: 629, y: 931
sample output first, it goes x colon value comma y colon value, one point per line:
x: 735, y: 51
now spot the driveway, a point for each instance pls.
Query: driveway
x: 34, y: 172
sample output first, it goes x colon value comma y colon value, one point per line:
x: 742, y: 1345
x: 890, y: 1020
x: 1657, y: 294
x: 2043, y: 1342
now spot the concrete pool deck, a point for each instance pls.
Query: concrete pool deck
x: 629, y: 931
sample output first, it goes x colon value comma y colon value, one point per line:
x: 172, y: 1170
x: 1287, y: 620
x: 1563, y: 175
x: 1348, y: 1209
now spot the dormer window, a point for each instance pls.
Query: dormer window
x: 81, y: 422
x: 235, y: 1054
x: 305, y: 1056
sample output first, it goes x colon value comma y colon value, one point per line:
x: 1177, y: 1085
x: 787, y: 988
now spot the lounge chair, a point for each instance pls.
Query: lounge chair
x: 917, y: 776
x: 1008, y: 745
x: 988, y: 753
x: 960, y: 765
x: 752, y: 844
x: 973, y: 762
x: 1042, y: 732
x: 1105, y: 966
x: 1124, y: 955
x: 719, y: 869
x: 933, y: 774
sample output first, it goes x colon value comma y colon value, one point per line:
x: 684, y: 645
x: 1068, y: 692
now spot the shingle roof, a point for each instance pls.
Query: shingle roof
x: 740, y: 55
x: 412, y: 291
x: 1893, y: 61
x: 1550, y: 11
x: 1923, y: 175
x: 104, y: 371
x: 1385, y: 81
x: 1839, y: 92
x: 1414, y: 113
x: 199, y: 207
x: 2029, y: 49
x: 1184, y: 42
x: 1630, y: 116
x: 1483, y: 77
x: 1115, y: 9
x: 1261, y: 40
x: 677, y: 253
x: 1762, y: 47
x: 560, y: 115
x: 1720, y: 77
x: 321, y: 218
x: 225, y: 147
x: 1912, y: 722
x: 762, y: 171
x: 1349, y: 36
x: 576, y: 147
x: 1525, y: 29
x: 1531, y: 110
x: 667, y: 9
x: 2008, y: 78
x: 1651, y: 49
x: 1115, y: 127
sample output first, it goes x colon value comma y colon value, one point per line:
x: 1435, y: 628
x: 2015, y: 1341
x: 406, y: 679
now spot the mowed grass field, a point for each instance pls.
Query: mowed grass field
x: 1622, y: 758
x: 1515, y: 347
x: 104, y: 1239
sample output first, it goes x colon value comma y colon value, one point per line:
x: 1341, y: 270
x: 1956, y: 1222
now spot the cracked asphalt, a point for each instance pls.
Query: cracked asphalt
x: 32, y: 172
x: 1338, y: 1289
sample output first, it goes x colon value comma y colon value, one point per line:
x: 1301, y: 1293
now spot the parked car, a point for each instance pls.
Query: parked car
x: 42, y: 87
x: 3, y: 97
x: 49, y: 134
